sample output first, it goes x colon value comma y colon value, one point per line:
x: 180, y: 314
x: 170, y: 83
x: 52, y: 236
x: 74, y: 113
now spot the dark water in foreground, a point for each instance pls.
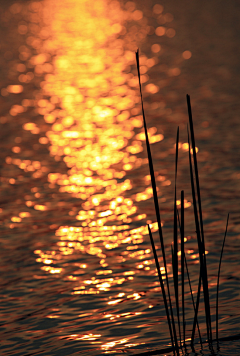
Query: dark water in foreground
x: 77, y: 271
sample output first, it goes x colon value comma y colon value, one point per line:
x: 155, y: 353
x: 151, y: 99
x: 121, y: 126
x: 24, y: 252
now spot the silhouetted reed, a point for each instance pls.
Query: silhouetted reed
x: 179, y: 225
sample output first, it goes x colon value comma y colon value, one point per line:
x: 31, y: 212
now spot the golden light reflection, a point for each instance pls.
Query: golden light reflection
x: 111, y: 344
x: 83, y: 53
x: 89, y: 336
x: 15, y: 89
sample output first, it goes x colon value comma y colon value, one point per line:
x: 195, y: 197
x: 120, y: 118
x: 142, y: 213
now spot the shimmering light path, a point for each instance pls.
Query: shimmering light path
x: 90, y: 98
x: 78, y: 275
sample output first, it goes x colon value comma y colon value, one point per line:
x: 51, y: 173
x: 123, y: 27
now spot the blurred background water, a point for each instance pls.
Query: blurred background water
x: 77, y: 270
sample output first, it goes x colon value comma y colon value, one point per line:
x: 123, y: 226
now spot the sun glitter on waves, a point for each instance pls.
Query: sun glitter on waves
x: 89, y: 95
x: 81, y: 54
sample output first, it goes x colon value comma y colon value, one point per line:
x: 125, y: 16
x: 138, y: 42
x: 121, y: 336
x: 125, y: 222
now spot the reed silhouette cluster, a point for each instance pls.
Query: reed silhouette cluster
x: 176, y: 323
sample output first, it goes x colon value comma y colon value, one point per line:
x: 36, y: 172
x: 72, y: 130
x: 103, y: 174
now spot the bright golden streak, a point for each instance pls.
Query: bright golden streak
x: 92, y: 114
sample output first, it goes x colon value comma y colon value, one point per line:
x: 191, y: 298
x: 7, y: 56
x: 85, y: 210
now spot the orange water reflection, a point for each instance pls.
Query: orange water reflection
x: 90, y: 96
x: 85, y: 51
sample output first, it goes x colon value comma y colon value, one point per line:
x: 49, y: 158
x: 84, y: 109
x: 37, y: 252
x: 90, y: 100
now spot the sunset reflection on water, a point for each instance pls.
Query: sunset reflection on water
x: 77, y: 269
x: 90, y: 97
x: 81, y: 56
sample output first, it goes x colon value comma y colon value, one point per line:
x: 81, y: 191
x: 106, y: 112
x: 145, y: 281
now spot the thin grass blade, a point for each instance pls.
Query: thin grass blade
x: 204, y: 265
x: 190, y: 286
x: 182, y: 265
x: 198, y: 240
x: 156, y: 203
x: 161, y: 284
x: 219, y: 277
x: 175, y: 240
x: 172, y: 260
x: 195, y: 311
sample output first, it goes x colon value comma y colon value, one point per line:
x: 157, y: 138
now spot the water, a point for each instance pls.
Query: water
x: 77, y: 271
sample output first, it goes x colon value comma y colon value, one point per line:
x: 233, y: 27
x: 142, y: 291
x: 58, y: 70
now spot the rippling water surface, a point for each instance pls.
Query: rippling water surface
x: 77, y: 270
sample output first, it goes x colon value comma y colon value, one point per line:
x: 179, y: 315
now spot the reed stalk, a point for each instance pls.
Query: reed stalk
x: 173, y: 329
x: 182, y: 265
x: 218, y: 278
x: 198, y: 216
x: 175, y: 241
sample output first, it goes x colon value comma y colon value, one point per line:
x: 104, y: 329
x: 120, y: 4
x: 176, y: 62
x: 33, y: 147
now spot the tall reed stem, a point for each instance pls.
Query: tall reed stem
x: 219, y: 277
x: 199, y: 227
x: 157, y: 208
